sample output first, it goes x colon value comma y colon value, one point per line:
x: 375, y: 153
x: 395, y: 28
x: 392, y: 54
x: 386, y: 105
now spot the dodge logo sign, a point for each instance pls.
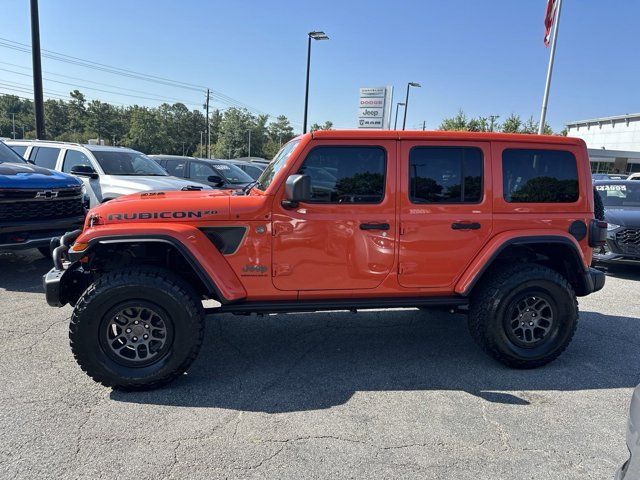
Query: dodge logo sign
x: 47, y: 194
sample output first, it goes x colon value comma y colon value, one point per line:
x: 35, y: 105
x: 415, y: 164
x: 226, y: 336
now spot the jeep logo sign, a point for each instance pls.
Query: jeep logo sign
x: 374, y: 110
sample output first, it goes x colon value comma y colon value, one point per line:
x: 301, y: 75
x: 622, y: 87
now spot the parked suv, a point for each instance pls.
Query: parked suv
x: 36, y: 204
x: 500, y: 226
x: 621, y: 201
x: 107, y: 172
x: 212, y: 172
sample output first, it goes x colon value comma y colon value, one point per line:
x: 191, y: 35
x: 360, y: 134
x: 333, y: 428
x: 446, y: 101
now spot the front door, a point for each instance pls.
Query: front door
x: 345, y: 237
x: 445, y: 209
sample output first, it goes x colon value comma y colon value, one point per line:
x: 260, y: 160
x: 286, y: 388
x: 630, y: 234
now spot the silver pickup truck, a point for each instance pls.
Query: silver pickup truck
x: 107, y: 172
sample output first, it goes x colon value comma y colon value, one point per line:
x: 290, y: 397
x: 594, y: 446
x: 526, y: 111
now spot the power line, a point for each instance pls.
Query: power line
x: 23, y: 47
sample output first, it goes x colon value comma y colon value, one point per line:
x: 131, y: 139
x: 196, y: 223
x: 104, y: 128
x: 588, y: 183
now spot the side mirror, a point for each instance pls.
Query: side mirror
x: 217, y: 180
x: 296, y: 189
x: 84, y: 171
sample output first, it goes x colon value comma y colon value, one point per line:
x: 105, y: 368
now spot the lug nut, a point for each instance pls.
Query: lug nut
x: 128, y: 330
x: 531, y: 324
x: 146, y: 326
x: 145, y: 336
x: 136, y: 322
x: 135, y: 339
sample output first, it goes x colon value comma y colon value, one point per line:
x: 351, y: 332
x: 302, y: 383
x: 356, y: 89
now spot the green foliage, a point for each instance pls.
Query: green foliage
x: 328, y: 125
x: 513, y: 124
x: 168, y: 128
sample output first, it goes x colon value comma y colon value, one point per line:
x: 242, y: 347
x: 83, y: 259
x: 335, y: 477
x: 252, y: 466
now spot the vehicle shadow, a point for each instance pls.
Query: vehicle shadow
x: 21, y: 271
x: 297, y: 362
x: 625, y: 272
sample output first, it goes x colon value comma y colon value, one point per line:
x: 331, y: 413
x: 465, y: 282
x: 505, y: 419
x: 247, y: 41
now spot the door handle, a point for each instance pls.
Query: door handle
x: 465, y: 226
x: 374, y: 226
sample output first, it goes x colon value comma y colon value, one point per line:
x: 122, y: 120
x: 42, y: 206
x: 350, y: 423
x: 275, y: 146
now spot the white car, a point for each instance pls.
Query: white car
x: 107, y: 172
x: 631, y: 469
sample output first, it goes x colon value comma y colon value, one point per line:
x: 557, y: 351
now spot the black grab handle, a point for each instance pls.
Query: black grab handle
x: 374, y: 226
x: 465, y: 226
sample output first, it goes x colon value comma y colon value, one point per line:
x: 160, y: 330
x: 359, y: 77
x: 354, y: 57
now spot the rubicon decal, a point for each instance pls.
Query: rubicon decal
x: 156, y: 215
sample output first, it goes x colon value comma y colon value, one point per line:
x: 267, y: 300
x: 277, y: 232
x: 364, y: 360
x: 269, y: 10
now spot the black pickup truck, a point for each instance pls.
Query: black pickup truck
x: 36, y: 204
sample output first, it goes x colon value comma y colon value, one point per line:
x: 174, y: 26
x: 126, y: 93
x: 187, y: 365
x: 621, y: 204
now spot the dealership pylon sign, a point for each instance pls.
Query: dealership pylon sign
x: 374, y: 107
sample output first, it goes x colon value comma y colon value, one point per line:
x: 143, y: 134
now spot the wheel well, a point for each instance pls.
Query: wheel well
x: 106, y: 257
x: 559, y: 256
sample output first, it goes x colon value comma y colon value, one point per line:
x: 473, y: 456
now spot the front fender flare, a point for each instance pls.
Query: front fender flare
x: 206, y: 260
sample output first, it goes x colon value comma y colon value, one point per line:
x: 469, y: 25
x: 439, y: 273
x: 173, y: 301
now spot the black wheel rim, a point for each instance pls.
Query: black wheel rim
x: 530, y: 320
x: 136, y: 335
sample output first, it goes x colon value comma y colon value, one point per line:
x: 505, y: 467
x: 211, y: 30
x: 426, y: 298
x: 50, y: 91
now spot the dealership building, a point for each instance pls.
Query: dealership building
x: 613, y: 142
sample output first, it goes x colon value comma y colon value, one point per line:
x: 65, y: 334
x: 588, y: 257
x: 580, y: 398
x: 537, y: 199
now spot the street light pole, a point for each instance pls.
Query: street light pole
x: 249, y: 144
x: 316, y: 35
x: 406, y: 102
x: 395, y: 124
x: 13, y: 121
x: 38, y: 99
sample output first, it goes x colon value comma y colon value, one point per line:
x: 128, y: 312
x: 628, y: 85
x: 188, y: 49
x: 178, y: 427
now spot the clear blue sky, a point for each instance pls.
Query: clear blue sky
x: 485, y: 56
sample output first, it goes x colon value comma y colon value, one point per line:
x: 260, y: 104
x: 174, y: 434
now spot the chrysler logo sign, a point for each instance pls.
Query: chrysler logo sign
x: 47, y: 194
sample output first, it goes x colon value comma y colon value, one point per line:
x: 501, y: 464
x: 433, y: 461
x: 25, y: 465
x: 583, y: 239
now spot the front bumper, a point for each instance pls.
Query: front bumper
x: 56, y: 280
x: 33, y: 234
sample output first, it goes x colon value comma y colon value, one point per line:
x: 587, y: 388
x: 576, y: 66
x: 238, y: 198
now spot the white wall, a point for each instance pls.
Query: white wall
x: 617, y: 133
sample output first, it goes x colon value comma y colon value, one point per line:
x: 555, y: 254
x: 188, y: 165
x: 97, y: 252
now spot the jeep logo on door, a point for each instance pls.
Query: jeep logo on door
x: 46, y: 194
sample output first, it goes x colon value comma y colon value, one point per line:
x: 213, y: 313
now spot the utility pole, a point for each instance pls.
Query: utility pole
x: 424, y: 125
x: 249, y: 144
x: 208, y: 129
x: 200, y: 142
x: 13, y: 120
x: 38, y: 99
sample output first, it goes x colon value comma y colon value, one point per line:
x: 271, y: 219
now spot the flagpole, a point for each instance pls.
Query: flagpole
x: 552, y: 55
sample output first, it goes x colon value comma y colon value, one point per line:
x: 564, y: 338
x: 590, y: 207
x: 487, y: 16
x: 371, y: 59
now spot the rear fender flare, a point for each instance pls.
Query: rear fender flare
x: 499, y: 243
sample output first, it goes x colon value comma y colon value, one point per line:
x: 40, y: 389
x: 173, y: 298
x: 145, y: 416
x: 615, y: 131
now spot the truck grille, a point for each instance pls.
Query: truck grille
x: 629, y: 241
x: 40, y: 204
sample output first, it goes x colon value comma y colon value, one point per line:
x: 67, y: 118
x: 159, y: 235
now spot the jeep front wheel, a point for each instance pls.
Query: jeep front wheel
x: 137, y: 329
x: 523, y: 315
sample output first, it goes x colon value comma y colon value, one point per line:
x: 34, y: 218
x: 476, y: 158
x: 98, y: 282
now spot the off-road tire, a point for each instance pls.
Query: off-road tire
x: 153, y: 286
x: 45, y: 252
x: 494, y: 298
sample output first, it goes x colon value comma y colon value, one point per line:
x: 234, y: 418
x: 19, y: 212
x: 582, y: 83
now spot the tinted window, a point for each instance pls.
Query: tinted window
x: 46, y: 157
x: 445, y: 175
x: 9, y: 155
x: 174, y: 167
x: 620, y: 195
x: 73, y: 158
x: 19, y: 149
x: 539, y: 176
x: 232, y: 173
x: 346, y: 174
x: 125, y: 162
x: 202, y: 171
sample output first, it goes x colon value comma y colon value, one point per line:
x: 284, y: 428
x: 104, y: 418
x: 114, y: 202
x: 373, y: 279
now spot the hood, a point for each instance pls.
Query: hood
x: 164, y: 207
x: 142, y: 183
x: 625, y: 217
x: 28, y: 176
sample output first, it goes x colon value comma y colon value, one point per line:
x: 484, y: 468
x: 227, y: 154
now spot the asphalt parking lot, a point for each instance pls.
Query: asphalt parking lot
x: 385, y: 394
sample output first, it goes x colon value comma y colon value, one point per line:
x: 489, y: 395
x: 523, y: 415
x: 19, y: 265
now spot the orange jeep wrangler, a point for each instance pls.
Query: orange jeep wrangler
x: 498, y: 226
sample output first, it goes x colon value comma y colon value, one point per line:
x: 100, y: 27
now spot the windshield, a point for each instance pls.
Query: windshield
x: 232, y: 173
x: 276, y: 164
x: 127, y: 163
x: 9, y: 156
x: 620, y: 195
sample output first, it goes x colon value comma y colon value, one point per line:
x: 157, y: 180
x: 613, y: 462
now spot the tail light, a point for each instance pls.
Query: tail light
x: 597, y: 233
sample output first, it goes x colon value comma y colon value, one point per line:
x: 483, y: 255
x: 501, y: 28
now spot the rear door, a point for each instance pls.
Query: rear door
x: 445, y: 209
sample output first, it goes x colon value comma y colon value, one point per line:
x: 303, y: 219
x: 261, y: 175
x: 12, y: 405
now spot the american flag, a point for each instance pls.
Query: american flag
x: 549, y: 17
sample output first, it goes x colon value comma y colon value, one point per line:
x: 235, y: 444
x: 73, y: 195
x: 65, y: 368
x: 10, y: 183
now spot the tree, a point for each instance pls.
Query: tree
x: 512, y: 124
x: 457, y: 122
x: 328, y: 125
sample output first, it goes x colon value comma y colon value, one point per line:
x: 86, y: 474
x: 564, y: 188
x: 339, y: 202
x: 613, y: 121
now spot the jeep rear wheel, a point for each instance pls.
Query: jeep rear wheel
x: 523, y: 315
x: 137, y: 329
